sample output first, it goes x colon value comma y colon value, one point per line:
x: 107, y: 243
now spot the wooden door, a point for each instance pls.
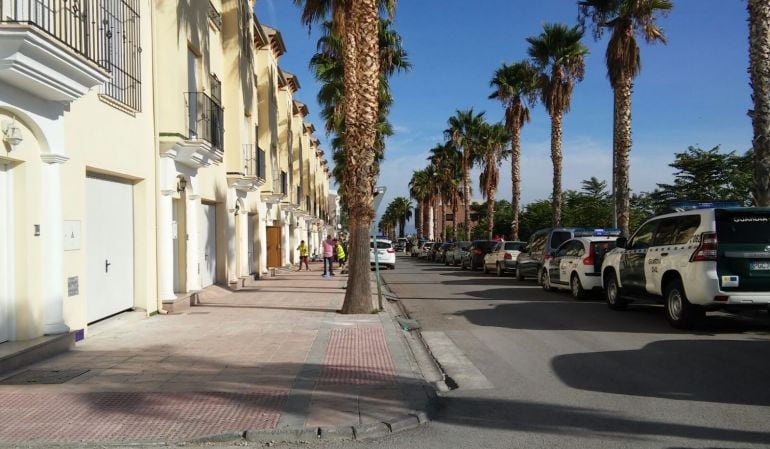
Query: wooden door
x: 274, y: 246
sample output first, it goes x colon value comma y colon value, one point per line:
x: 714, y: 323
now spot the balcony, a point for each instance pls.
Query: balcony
x: 56, y: 50
x: 252, y: 175
x: 280, y: 185
x: 205, y: 132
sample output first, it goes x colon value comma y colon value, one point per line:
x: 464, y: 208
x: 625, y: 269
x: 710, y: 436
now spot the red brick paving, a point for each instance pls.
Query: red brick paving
x: 95, y: 417
x: 357, y: 356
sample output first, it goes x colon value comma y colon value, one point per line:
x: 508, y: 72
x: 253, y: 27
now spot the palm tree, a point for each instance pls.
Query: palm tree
x: 463, y: 127
x: 559, y: 56
x: 358, y: 22
x: 419, y: 190
x: 759, y: 68
x: 493, y: 140
x: 624, y: 19
x: 402, y: 209
x: 446, y: 159
x: 516, y: 88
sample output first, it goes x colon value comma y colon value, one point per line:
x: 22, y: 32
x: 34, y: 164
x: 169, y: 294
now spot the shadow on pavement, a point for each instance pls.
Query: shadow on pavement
x: 596, y: 317
x: 689, y: 370
x: 563, y: 420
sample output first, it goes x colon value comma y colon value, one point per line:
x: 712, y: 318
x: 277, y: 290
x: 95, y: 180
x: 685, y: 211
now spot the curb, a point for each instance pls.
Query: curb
x: 308, y: 434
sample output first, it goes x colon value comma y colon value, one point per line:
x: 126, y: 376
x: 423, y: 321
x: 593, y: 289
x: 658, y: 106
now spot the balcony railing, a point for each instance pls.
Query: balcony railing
x: 284, y: 183
x: 204, y: 119
x: 105, y: 32
x: 308, y: 204
x: 253, y: 161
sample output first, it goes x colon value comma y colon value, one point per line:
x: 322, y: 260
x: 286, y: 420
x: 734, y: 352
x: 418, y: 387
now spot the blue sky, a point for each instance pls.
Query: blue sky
x: 692, y: 91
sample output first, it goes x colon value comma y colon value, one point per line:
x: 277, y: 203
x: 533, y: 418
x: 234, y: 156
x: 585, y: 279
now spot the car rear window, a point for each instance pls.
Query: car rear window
x: 381, y: 245
x: 559, y: 237
x: 743, y: 226
x: 486, y: 244
x: 514, y: 246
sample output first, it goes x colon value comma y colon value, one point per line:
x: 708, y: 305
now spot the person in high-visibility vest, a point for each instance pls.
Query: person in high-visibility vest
x: 304, y: 252
x: 340, y: 253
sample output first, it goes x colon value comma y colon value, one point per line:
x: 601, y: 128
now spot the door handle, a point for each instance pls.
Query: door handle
x: 663, y: 254
x: 107, y: 266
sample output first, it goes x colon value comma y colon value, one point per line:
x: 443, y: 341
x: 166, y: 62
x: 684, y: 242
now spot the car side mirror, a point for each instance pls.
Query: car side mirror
x: 621, y: 242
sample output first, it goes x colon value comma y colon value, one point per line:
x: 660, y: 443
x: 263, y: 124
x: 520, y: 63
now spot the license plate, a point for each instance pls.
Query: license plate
x: 760, y: 266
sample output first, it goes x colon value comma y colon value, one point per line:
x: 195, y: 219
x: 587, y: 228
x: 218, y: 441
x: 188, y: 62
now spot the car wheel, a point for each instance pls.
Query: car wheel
x: 392, y: 267
x: 679, y: 311
x: 519, y: 275
x: 499, y: 270
x: 545, y: 280
x: 615, y: 300
x: 576, y: 287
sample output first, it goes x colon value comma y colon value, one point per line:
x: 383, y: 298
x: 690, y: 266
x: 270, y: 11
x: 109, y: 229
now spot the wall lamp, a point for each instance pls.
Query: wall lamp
x: 181, y: 184
x: 12, y: 133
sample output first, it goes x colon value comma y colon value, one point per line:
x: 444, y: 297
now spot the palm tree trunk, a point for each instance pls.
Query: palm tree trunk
x: 622, y: 148
x: 454, y: 214
x: 491, y: 212
x: 443, y: 219
x: 437, y: 229
x: 556, y: 159
x: 430, y: 221
x: 362, y: 66
x: 515, y: 170
x: 759, y: 68
x: 467, y: 193
x: 401, y: 226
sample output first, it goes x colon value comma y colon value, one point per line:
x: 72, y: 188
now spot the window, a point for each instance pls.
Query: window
x: 537, y: 242
x: 514, y: 246
x: 743, y: 227
x: 666, y: 232
x: 559, y: 237
x: 686, y: 229
x: 643, y: 237
x: 120, y: 51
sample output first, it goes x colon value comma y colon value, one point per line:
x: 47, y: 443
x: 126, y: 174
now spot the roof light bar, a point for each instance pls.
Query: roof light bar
x: 599, y: 232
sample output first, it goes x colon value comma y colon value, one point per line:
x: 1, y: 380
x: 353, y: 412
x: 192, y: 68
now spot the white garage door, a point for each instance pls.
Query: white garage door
x: 208, y: 246
x: 110, y: 248
x: 5, y: 252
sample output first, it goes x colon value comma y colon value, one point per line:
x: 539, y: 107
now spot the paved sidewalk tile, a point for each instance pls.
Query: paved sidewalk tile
x: 275, y: 353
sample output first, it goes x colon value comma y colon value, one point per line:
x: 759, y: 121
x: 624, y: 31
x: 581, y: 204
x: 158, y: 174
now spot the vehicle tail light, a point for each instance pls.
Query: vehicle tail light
x: 477, y: 252
x: 507, y: 256
x: 546, y: 257
x: 721, y: 298
x: 707, y: 250
x: 391, y: 250
x: 590, y: 259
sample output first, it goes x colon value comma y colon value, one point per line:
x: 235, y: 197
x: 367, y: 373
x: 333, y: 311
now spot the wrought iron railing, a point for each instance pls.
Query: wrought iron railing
x: 261, y: 163
x: 103, y: 31
x: 308, y: 207
x: 284, y: 183
x: 253, y: 161
x: 205, y: 119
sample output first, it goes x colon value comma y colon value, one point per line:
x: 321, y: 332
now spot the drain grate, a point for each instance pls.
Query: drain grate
x: 32, y: 377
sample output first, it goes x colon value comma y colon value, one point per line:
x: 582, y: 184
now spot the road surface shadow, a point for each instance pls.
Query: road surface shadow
x: 722, y: 371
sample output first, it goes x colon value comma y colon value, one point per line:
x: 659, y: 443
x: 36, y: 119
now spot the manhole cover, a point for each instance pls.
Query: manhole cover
x: 31, y: 377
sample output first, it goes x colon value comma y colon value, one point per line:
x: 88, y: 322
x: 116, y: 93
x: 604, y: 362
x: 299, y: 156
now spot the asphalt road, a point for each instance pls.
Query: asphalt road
x: 550, y: 372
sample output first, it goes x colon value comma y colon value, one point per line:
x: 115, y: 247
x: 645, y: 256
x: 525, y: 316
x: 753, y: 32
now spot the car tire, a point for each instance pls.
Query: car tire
x: 576, y: 287
x: 614, y: 294
x: 519, y: 275
x: 499, y: 271
x: 545, y: 280
x: 680, y: 312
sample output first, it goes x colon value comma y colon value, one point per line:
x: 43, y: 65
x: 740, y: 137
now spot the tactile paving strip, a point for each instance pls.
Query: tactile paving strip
x: 357, y: 356
x: 117, y: 417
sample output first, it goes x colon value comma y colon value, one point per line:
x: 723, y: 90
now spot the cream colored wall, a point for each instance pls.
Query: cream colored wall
x: 267, y: 79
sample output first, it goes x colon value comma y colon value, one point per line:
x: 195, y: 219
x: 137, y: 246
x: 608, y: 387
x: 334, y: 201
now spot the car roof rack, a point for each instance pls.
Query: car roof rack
x: 597, y: 232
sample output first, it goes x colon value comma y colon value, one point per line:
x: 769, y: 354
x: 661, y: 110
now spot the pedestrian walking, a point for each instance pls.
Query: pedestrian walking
x: 339, y: 252
x: 304, y: 253
x: 328, y: 254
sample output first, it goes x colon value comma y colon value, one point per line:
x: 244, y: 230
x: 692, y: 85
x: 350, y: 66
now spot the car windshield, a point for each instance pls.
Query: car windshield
x: 381, y: 244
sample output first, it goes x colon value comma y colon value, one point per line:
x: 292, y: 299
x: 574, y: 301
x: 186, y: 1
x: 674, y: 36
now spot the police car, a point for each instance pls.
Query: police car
x: 695, y: 260
x: 576, y: 264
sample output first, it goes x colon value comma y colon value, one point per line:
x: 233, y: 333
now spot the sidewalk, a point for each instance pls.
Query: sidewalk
x: 275, y: 355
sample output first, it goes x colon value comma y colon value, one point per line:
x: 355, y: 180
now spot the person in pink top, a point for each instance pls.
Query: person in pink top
x: 328, y: 254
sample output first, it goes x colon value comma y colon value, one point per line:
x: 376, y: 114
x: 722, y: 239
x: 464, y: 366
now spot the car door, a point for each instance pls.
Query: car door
x: 528, y: 261
x: 570, y: 261
x: 554, y: 263
x: 493, y: 257
x: 632, y: 274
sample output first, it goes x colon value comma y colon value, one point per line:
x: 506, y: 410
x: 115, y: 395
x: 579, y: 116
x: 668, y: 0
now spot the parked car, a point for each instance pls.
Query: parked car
x: 475, y: 257
x: 433, y: 250
x: 576, y: 265
x: 458, y: 252
x: 425, y: 250
x: 441, y: 252
x: 386, y: 254
x: 694, y: 261
x: 542, y: 243
x: 502, y: 258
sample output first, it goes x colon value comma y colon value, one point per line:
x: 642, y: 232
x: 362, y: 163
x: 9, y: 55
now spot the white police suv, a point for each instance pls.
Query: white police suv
x: 576, y: 264
x: 695, y: 260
